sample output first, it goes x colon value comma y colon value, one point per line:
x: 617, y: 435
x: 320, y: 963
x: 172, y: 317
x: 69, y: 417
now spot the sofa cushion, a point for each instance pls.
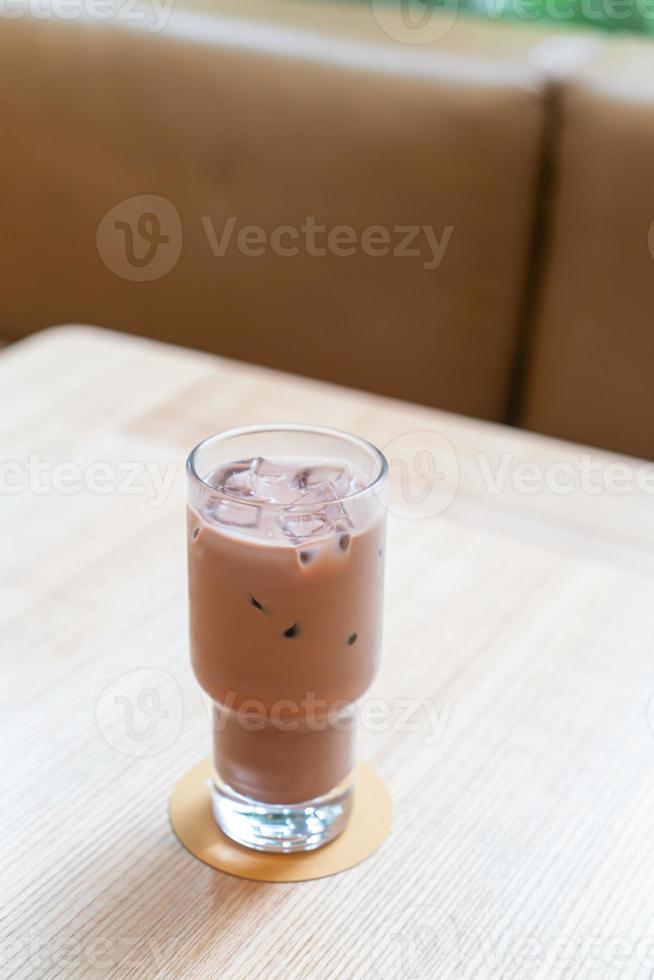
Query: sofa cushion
x: 591, y: 366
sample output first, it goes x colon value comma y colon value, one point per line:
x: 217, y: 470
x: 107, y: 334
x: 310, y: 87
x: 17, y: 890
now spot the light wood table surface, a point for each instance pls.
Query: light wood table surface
x: 519, y: 629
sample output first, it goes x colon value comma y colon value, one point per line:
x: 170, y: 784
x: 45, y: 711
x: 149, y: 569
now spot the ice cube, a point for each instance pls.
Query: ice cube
x: 338, y: 516
x: 273, y: 483
x: 235, y: 514
x: 236, y: 478
x: 318, y: 493
x: 315, y: 477
x: 301, y: 525
x: 308, y: 555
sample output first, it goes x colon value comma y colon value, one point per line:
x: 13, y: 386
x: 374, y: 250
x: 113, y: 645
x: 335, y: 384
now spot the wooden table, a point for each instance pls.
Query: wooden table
x: 519, y: 628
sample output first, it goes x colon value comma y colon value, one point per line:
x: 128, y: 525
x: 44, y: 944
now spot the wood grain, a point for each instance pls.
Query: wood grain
x: 523, y: 843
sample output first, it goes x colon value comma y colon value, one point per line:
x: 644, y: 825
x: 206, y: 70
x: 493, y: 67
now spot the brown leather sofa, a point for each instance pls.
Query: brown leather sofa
x: 482, y: 189
x: 590, y: 369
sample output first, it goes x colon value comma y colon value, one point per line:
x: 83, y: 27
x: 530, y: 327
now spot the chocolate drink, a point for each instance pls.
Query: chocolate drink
x: 285, y: 583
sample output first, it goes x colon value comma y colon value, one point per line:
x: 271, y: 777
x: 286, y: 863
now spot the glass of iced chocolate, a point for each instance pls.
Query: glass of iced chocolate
x: 286, y: 527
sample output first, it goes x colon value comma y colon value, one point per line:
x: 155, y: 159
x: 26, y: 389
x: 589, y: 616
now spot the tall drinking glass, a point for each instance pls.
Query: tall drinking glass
x: 286, y: 529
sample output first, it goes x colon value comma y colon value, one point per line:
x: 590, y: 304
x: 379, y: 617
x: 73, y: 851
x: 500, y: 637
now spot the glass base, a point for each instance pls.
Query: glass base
x: 279, y: 828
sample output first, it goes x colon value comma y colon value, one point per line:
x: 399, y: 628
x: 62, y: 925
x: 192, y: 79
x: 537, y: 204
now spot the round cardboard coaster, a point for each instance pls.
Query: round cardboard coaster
x: 193, y: 822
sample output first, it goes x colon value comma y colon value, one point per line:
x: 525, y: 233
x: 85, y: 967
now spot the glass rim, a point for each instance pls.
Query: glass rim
x: 321, y: 430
